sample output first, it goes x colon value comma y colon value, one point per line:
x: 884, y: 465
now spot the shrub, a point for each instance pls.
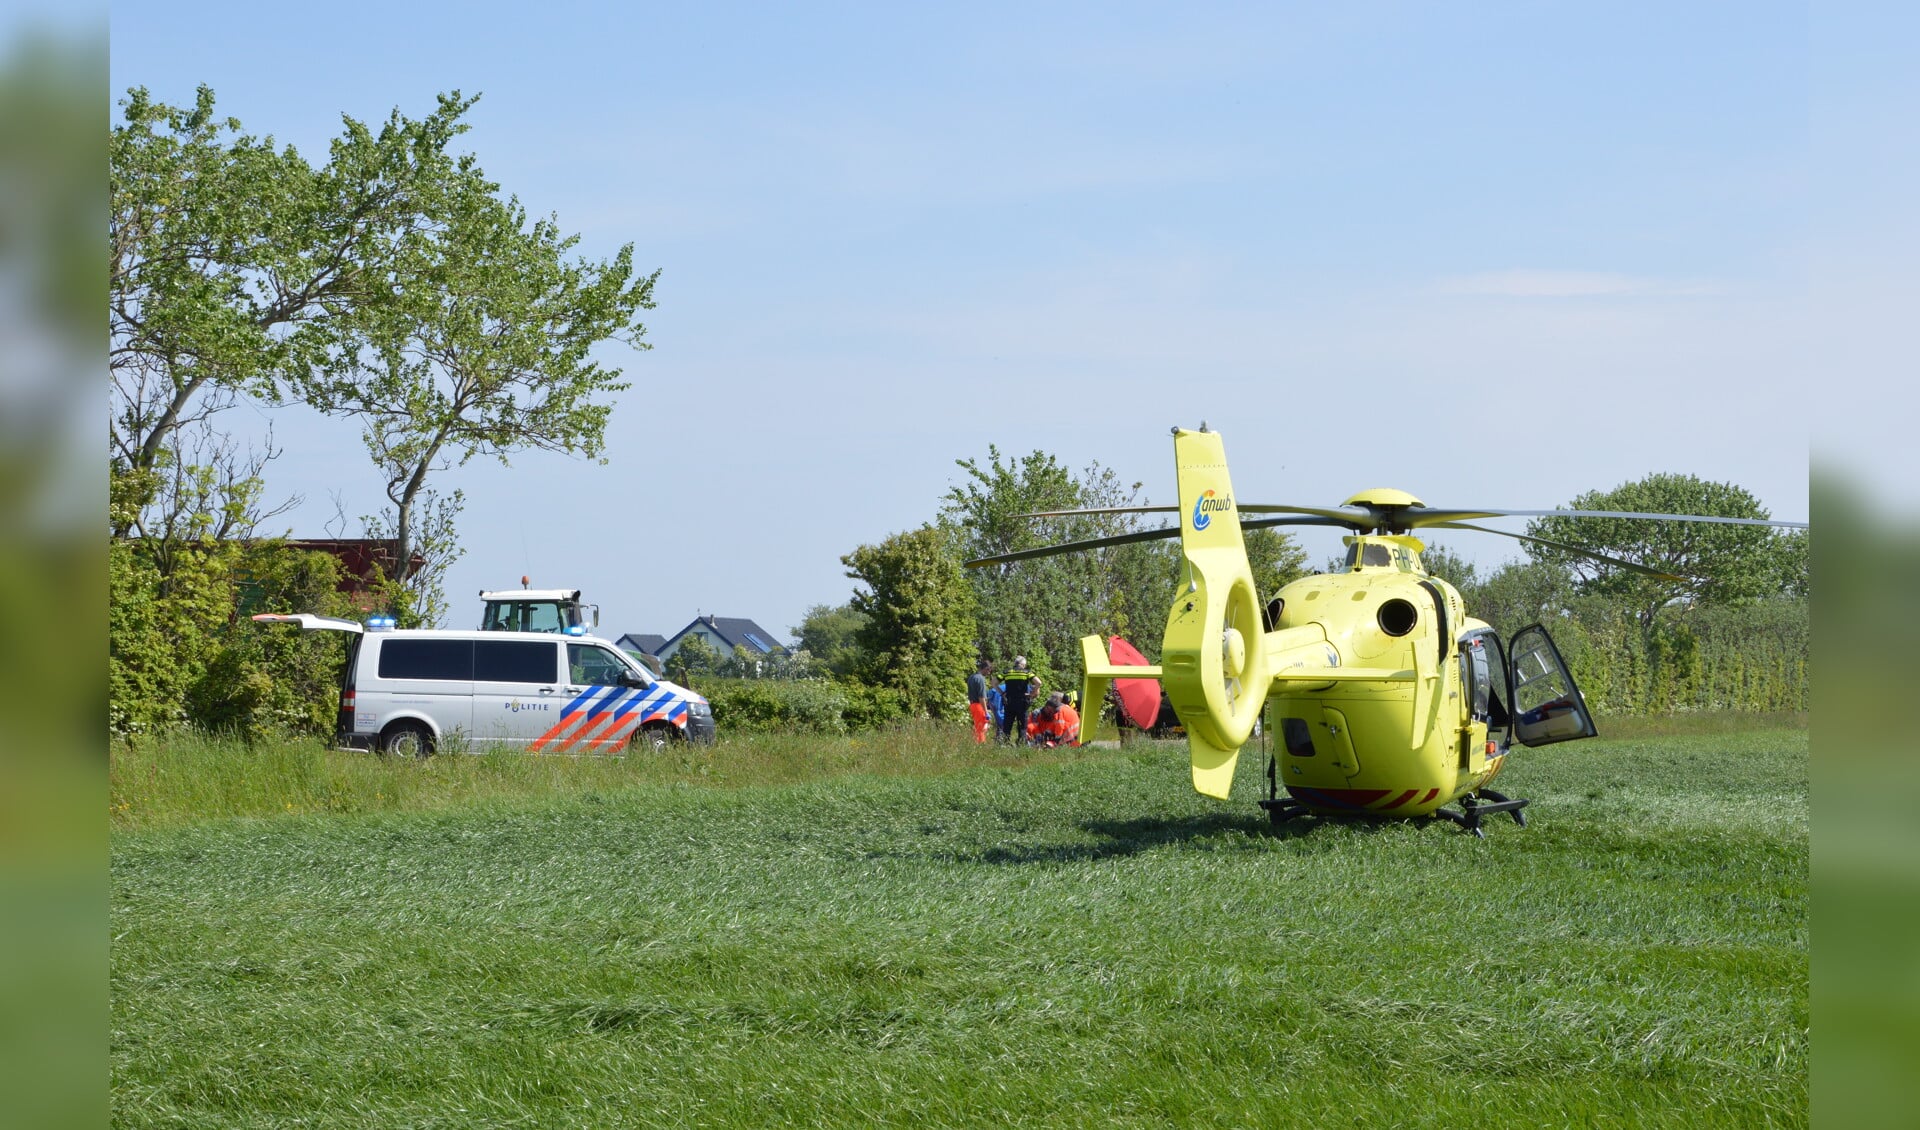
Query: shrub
x: 182, y: 651
x: 809, y: 706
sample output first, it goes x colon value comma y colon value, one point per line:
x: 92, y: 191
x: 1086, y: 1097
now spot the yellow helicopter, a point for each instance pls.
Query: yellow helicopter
x: 1386, y: 699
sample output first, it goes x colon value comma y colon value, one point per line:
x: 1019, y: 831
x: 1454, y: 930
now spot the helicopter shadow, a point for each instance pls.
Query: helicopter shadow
x: 1120, y: 839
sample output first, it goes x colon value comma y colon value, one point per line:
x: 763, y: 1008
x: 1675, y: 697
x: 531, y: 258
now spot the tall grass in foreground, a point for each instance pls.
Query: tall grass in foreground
x: 1085, y: 943
x: 192, y: 776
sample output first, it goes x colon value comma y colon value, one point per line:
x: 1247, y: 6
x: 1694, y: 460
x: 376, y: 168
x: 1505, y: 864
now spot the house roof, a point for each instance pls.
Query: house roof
x: 647, y: 642
x: 736, y: 632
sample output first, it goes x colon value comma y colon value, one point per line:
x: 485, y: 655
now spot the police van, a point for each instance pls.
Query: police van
x: 410, y: 691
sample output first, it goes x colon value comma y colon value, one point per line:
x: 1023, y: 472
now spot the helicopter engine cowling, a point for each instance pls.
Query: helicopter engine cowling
x: 1214, y: 657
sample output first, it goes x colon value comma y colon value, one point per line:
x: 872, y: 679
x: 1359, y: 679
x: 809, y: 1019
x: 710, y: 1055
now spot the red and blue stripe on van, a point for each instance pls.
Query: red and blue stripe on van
x: 605, y: 717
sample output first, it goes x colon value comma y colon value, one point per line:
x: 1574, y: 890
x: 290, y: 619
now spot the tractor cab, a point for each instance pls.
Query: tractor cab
x: 558, y: 611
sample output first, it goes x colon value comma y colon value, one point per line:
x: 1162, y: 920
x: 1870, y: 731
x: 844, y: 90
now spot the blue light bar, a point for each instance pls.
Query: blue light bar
x: 379, y: 623
x: 576, y: 629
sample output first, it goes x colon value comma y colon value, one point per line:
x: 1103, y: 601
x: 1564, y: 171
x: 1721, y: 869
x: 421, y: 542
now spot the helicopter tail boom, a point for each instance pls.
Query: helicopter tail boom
x: 1214, y: 654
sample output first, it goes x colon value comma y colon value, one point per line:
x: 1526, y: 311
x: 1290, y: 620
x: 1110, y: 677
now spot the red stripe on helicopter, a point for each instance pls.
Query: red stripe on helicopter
x: 1340, y: 800
x: 1431, y: 793
x: 1396, y: 802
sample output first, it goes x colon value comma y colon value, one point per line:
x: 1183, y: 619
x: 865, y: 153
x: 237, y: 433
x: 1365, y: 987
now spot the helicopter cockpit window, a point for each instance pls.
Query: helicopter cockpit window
x: 1368, y: 553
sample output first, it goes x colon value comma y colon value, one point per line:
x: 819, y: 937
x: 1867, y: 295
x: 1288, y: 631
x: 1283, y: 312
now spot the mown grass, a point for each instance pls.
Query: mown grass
x: 1084, y: 943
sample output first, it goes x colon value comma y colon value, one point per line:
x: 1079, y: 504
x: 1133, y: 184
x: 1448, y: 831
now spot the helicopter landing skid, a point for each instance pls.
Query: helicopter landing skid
x: 1282, y: 810
x: 1473, y: 809
x: 1487, y: 803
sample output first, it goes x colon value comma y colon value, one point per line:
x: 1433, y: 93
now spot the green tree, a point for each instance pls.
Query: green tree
x: 1716, y: 563
x: 1042, y: 606
x: 919, y: 634
x: 232, y: 262
x: 1517, y: 594
x: 1276, y: 560
x: 828, y: 634
x: 418, y: 598
x: 1443, y: 562
x: 694, y: 656
x: 1019, y: 602
x: 744, y: 664
x: 1795, y: 560
x: 485, y: 346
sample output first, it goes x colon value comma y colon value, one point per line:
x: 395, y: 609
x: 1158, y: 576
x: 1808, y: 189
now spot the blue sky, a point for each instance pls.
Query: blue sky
x: 1496, y: 255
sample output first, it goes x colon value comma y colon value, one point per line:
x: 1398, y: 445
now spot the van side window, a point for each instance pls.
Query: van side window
x: 426, y: 659
x: 515, y: 661
x: 594, y: 666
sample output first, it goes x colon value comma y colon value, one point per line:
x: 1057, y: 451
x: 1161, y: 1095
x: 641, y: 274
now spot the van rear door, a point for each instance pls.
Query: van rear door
x: 309, y: 622
x: 344, y: 724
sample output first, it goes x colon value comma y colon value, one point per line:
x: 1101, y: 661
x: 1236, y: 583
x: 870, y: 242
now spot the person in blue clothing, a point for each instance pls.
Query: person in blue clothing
x: 996, y: 699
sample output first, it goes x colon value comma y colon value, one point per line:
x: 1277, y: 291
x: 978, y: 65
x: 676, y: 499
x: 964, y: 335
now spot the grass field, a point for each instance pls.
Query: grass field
x: 905, y: 935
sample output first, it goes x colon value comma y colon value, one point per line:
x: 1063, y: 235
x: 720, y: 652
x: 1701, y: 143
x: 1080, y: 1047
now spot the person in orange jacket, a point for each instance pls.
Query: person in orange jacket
x: 1069, y: 723
x: 1051, y: 726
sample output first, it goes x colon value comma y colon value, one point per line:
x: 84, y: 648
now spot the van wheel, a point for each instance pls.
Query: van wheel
x: 407, y: 739
x: 656, y: 737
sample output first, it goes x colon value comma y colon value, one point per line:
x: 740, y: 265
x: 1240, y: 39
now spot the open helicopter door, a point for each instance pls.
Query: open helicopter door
x: 1547, y: 706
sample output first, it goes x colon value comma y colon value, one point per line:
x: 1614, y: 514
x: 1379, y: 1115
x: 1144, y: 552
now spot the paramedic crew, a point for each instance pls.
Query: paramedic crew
x: 1057, y: 722
x: 1015, y: 700
x: 977, y: 699
x: 1069, y: 723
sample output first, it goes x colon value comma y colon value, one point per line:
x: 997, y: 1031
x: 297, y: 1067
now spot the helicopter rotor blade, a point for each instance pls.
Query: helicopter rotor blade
x: 1306, y: 520
x: 1352, y: 516
x: 1335, y: 516
x: 1425, y: 516
x: 1075, y: 546
x: 1103, y: 510
x: 1580, y: 550
x: 1155, y: 534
